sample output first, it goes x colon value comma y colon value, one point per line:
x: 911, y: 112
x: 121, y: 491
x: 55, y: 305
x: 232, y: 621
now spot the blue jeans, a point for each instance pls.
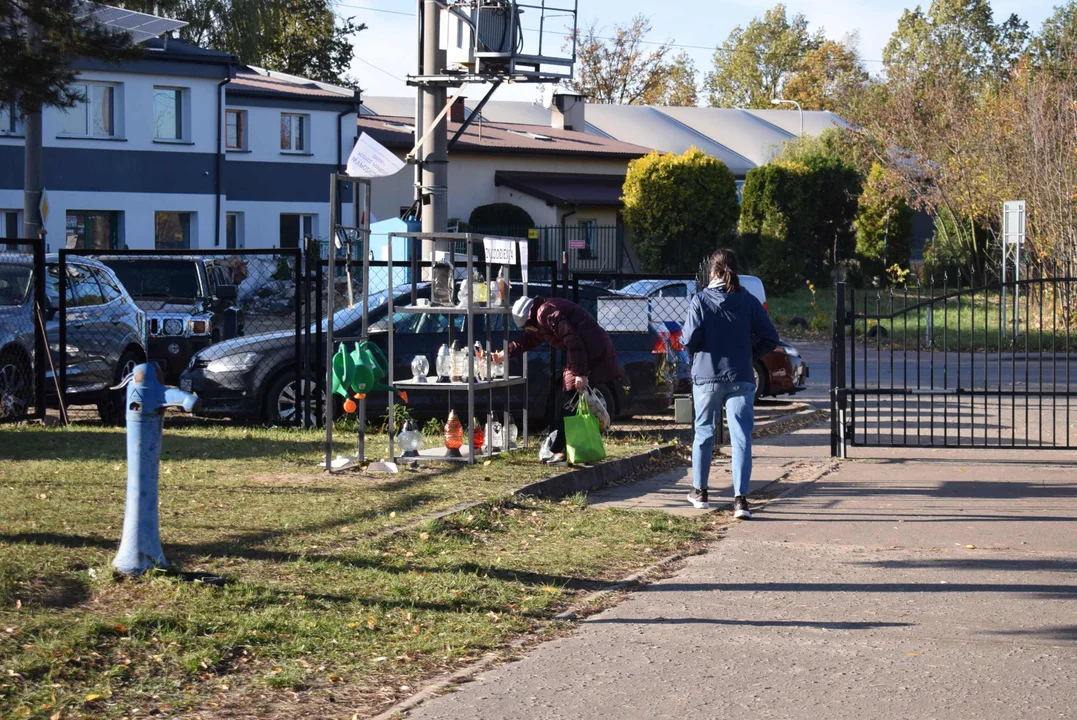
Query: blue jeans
x: 739, y: 401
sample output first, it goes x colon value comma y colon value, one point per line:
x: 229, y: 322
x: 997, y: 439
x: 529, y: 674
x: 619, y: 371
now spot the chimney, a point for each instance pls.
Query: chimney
x: 457, y: 111
x: 568, y: 112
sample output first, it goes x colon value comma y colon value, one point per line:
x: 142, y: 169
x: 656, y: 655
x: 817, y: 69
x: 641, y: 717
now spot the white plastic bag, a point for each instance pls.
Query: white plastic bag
x: 597, y: 403
x: 546, y: 451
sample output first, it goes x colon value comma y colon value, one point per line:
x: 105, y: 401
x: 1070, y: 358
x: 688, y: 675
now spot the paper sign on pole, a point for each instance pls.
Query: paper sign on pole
x: 371, y: 159
x: 500, y: 250
x: 1013, y: 222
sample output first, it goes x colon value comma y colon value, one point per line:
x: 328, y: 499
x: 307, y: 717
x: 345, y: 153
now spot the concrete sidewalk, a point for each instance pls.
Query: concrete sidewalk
x: 898, y: 587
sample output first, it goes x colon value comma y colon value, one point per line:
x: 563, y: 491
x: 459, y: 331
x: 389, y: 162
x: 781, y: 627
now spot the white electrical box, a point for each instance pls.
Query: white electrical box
x: 497, y: 26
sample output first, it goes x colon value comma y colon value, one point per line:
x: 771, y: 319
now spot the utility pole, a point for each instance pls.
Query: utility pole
x: 435, y: 153
x: 31, y: 173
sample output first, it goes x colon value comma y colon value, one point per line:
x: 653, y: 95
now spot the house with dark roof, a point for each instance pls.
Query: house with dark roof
x: 184, y: 148
x: 557, y: 175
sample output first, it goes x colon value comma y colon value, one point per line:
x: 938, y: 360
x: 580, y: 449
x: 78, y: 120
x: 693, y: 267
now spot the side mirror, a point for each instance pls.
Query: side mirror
x: 49, y: 309
x: 227, y: 292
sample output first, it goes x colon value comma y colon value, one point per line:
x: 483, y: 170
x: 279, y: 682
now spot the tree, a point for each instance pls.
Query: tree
x: 679, y: 208
x: 299, y: 37
x: 1055, y: 43
x: 954, y: 36
x: 619, y: 71
x: 751, y: 66
x: 828, y: 77
x: 679, y: 87
x: 883, y: 225
x: 35, y: 74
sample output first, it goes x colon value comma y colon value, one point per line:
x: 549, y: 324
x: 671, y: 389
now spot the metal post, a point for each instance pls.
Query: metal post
x: 31, y: 196
x: 837, y: 376
x: 334, y: 222
x: 435, y: 170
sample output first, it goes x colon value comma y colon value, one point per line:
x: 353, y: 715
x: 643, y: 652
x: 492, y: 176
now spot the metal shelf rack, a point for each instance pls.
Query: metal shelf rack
x: 445, y: 246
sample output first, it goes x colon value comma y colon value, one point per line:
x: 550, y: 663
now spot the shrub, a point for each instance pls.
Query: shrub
x: 883, y: 226
x: 679, y: 208
x: 500, y: 215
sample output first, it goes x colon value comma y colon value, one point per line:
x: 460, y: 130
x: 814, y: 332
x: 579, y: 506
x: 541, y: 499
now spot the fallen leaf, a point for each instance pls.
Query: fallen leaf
x: 424, y: 536
x: 392, y: 514
x: 914, y: 654
x: 336, y: 678
x: 380, y: 659
x: 970, y: 547
x: 92, y: 696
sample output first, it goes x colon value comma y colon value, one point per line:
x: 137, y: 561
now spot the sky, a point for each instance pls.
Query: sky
x: 385, y: 52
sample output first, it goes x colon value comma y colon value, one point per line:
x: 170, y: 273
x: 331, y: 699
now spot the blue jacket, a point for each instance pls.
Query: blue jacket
x: 725, y: 333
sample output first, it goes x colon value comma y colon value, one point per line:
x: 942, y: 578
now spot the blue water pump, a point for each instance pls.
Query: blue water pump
x: 147, y: 398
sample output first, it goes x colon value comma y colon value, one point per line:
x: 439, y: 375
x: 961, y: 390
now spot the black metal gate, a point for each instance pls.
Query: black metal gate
x: 988, y: 367
x: 24, y: 316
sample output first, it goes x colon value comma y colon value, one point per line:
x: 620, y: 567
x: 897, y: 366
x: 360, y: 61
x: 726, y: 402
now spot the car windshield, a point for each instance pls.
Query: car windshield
x: 158, y: 278
x: 14, y: 284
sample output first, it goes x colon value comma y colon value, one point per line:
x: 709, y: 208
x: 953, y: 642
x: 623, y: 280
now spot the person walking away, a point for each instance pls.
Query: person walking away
x: 563, y: 324
x: 726, y: 331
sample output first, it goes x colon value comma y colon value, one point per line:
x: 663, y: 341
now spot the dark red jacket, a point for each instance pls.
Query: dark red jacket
x: 567, y: 326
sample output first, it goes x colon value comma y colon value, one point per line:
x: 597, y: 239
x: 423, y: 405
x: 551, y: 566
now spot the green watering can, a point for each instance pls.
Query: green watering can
x: 360, y: 371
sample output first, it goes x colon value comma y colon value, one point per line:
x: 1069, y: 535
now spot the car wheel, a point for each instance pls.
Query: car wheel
x: 283, y: 400
x: 16, y: 385
x: 111, y: 409
x: 759, y: 371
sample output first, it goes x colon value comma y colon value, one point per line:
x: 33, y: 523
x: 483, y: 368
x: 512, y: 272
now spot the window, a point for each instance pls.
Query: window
x: 87, y: 291
x: 169, y: 107
x: 172, y: 230
x: 94, y: 115
x: 233, y: 230
x: 93, y: 230
x: 10, y: 224
x: 10, y: 123
x: 52, y: 287
x: 679, y: 290
x: 109, y: 289
x: 235, y: 125
x: 293, y: 228
x: 293, y: 132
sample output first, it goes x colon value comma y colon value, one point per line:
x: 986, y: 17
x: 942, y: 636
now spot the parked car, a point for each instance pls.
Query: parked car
x: 190, y: 303
x: 781, y: 372
x: 254, y: 377
x: 105, y: 334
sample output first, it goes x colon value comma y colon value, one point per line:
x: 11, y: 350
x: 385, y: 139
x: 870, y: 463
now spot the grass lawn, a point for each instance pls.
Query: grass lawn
x: 974, y: 320
x: 324, y: 614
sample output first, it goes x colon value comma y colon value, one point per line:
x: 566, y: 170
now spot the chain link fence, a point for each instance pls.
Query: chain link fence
x: 24, y: 362
x: 228, y: 325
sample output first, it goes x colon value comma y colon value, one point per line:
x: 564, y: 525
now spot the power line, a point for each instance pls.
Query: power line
x: 381, y: 70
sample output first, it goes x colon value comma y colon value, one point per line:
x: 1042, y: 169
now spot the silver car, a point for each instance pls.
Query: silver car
x: 105, y: 335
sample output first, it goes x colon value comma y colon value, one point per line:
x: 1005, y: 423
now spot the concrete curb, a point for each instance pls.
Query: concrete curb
x: 585, y: 479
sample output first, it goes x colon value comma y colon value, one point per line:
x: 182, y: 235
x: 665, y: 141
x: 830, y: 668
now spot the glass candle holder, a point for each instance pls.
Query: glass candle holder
x: 410, y: 440
x: 454, y: 435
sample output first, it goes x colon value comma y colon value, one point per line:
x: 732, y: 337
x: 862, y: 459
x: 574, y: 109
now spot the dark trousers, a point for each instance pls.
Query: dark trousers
x: 564, y: 404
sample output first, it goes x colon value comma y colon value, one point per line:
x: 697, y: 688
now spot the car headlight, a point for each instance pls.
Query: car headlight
x: 199, y: 327
x: 233, y: 363
x: 173, y: 326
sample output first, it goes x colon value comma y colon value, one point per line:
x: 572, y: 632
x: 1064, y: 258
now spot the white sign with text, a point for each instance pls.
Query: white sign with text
x: 371, y: 159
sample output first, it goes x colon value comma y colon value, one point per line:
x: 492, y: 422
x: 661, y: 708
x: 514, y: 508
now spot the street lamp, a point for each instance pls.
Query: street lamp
x: 783, y: 101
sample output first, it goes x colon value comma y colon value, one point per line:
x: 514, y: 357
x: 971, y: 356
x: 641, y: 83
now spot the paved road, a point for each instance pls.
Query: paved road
x: 903, y: 587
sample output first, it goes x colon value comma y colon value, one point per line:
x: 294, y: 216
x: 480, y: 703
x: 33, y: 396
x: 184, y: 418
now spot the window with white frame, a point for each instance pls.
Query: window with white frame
x: 294, y: 133
x: 95, y: 116
x: 10, y: 224
x: 235, y: 130
x: 10, y: 122
x: 170, y: 113
x: 293, y: 228
x: 233, y: 230
x: 172, y: 230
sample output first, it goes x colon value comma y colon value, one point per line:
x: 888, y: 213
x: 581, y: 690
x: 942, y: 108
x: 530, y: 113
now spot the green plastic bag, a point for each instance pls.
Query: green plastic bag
x: 583, y: 441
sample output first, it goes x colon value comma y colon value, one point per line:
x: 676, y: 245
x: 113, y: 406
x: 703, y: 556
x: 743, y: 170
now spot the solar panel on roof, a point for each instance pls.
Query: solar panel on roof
x: 141, y: 26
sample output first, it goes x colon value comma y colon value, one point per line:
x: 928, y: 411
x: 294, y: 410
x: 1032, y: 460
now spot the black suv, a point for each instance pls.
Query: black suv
x: 190, y: 303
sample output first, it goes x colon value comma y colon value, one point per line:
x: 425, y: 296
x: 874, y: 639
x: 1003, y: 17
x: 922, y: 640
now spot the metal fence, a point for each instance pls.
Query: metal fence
x: 230, y: 325
x: 25, y: 319
x: 989, y: 366
x: 583, y: 248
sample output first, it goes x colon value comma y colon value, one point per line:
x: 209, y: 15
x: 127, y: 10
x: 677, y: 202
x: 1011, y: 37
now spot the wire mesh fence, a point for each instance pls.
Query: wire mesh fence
x: 227, y: 325
x: 23, y: 347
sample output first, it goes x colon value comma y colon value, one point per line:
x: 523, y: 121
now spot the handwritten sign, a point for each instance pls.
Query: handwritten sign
x: 500, y: 250
x: 371, y: 159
